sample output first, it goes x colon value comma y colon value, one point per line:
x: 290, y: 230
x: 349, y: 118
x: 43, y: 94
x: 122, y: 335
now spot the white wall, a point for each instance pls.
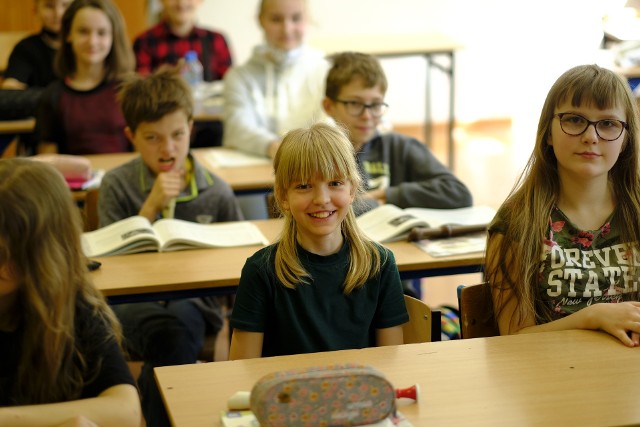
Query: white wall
x: 512, y: 50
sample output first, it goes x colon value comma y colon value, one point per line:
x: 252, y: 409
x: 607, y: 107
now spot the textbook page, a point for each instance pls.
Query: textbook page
x: 176, y: 234
x: 130, y: 235
x: 458, y: 245
x: 473, y: 215
x: 387, y: 223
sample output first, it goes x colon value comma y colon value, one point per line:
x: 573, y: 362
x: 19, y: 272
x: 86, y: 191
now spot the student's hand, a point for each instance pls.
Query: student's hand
x: 622, y: 320
x: 166, y: 187
x: 79, y: 421
x: 273, y: 149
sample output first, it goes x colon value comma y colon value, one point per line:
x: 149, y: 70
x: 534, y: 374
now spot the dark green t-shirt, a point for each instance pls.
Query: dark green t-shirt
x: 580, y: 268
x: 316, y: 316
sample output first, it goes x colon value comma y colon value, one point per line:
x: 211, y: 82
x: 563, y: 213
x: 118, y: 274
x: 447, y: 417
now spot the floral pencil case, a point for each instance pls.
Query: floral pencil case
x: 335, y: 395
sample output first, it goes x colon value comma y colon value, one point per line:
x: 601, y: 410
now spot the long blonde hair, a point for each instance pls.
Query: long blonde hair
x: 326, y: 151
x: 40, y: 229
x: 523, y: 219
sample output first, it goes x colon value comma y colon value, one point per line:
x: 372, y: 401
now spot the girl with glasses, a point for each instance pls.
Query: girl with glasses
x: 562, y: 252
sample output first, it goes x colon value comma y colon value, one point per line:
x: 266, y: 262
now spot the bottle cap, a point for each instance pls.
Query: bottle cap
x: 191, y: 55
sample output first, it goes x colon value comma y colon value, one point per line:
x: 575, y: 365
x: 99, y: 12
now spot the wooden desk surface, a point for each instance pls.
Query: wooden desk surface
x: 197, y: 269
x: 632, y: 72
x: 17, y: 126
x: 569, y: 378
x: 387, y: 44
x: 28, y: 125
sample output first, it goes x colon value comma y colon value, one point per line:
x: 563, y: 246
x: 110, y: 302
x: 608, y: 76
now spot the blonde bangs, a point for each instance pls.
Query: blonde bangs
x: 322, y: 151
x: 325, y: 152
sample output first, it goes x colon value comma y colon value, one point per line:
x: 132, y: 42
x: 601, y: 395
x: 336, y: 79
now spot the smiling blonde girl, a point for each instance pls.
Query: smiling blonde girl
x: 323, y: 286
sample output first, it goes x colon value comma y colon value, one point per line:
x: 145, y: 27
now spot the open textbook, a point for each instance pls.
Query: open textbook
x: 388, y: 223
x: 137, y: 234
x: 467, y: 244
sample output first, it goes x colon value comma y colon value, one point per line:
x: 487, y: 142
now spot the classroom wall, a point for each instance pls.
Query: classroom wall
x: 18, y: 15
x: 512, y: 51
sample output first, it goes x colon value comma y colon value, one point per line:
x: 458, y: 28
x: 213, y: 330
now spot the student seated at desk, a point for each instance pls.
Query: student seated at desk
x: 60, y: 356
x: 398, y: 170
x: 279, y: 88
x: 31, y: 60
x: 79, y: 114
x: 563, y: 250
x: 164, y: 182
x: 323, y: 286
x: 169, y: 41
x: 30, y: 69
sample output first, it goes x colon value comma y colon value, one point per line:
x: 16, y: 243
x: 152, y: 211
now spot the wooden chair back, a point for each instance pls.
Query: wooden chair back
x: 476, y: 313
x: 418, y: 328
x: 11, y: 150
x: 90, y: 210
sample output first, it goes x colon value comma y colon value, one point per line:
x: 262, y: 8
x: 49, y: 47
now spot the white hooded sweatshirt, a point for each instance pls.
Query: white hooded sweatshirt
x: 274, y: 92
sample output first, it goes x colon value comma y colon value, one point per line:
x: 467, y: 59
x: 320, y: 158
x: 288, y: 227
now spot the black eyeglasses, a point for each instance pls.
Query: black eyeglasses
x: 356, y: 108
x: 606, y: 129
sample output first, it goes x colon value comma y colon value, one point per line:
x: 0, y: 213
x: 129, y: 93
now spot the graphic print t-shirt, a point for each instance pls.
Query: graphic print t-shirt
x: 580, y: 268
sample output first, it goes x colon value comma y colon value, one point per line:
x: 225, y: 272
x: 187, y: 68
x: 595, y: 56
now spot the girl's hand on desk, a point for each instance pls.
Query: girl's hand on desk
x: 622, y: 320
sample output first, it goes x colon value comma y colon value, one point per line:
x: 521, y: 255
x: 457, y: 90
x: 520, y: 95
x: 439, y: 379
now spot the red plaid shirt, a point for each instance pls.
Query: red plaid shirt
x: 159, y: 46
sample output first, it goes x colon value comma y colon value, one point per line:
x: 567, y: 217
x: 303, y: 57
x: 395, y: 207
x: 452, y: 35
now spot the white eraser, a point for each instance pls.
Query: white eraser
x: 239, y: 400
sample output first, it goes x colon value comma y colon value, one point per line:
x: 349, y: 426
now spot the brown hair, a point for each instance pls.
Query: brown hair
x: 322, y: 150
x: 120, y: 59
x: 40, y: 229
x: 349, y: 65
x: 148, y: 99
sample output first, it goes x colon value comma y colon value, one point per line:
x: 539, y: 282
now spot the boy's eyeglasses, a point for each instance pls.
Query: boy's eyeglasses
x: 607, y: 129
x: 356, y: 108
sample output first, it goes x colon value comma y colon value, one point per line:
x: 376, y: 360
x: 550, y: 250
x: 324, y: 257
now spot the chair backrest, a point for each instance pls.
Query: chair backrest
x: 418, y: 328
x: 90, y: 210
x: 476, y: 314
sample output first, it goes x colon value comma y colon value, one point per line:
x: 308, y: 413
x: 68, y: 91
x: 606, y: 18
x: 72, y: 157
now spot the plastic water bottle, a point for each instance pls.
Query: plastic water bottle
x: 193, y: 73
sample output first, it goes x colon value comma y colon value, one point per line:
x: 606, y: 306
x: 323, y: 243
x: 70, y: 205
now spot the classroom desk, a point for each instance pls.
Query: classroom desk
x: 632, y: 72
x: 22, y: 126
x: 568, y: 378
x: 243, y: 180
x: 429, y: 46
x: 198, y: 272
x: 28, y: 125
